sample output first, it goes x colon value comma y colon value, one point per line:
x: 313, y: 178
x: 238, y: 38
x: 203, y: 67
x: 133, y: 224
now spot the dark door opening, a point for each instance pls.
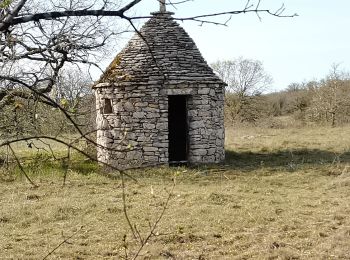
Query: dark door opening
x: 178, y: 129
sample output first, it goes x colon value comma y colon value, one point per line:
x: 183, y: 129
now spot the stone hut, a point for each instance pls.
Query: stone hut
x: 159, y: 102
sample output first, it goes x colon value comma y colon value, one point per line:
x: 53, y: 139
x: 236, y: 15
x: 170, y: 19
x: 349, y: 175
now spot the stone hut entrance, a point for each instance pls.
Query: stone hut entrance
x: 159, y: 102
x: 178, y: 129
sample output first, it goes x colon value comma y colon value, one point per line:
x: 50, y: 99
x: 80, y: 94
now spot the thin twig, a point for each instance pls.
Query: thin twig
x: 66, y: 162
x: 63, y: 242
x: 21, y: 167
x: 155, y: 224
x: 125, y: 206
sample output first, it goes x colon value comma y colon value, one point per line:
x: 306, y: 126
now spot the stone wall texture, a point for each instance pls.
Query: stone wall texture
x: 164, y: 61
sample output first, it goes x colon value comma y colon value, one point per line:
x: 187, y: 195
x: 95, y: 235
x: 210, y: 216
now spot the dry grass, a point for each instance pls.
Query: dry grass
x: 262, y: 139
x: 282, y: 194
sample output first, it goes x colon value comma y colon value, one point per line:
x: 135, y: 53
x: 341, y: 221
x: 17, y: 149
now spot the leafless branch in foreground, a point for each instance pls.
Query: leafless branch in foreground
x: 63, y: 242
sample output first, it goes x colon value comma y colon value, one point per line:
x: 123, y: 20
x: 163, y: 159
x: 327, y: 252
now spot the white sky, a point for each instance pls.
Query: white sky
x: 291, y: 49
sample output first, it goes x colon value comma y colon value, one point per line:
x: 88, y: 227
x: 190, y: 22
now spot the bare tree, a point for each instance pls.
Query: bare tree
x: 245, y: 78
x: 330, y: 102
x: 71, y: 87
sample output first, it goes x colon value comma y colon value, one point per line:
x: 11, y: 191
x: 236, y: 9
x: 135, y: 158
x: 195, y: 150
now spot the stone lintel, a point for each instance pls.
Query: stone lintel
x: 168, y: 92
x: 102, y: 85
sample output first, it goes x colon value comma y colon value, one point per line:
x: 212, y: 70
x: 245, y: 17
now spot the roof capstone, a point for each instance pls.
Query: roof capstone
x: 162, y: 7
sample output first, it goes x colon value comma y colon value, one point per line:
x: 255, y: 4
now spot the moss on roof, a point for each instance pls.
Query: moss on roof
x: 165, y: 52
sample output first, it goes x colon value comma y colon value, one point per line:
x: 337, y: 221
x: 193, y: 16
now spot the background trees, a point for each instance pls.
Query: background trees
x: 244, y: 77
x: 246, y: 80
x: 326, y: 101
x: 330, y: 102
x: 322, y: 102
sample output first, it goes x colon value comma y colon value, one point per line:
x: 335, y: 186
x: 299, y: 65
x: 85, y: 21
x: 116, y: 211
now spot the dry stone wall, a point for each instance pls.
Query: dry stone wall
x: 136, y: 133
x: 206, y: 125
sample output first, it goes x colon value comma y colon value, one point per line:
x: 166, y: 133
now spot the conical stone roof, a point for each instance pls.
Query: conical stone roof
x: 165, y: 54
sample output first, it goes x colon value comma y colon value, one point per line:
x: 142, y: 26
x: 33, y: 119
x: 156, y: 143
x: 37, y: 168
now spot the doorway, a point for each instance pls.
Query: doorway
x: 178, y: 129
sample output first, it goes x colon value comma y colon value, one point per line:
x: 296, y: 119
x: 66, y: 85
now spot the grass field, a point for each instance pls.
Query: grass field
x: 281, y: 194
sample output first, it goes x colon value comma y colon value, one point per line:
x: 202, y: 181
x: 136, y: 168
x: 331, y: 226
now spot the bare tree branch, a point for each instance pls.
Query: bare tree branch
x: 21, y: 167
x: 63, y: 242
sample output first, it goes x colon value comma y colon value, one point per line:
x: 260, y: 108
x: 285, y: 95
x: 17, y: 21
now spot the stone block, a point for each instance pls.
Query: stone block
x: 196, y: 159
x: 150, y: 149
x: 162, y: 145
x: 149, y: 126
x: 203, y: 91
x: 150, y: 109
x: 129, y: 107
x: 133, y: 155
x: 141, y: 104
x: 209, y: 159
x: 143, y: 139
x: 152, y: 115
x: 151, y: 158
x: 201, y: 152
x: 162, y: 126
x: 197, y: 124
x: 118, y: 107
x: 199, y: 146
x: 154, y: 106
x: 204, y: 113
x: 105, y: 124
x: 138, y: 115
x: 192, y: 113
x: 120, y: 155
x: 132, y: 143
x: 211, y: 151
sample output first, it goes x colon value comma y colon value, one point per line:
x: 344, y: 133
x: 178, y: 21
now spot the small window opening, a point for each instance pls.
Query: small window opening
x: 107, y: 106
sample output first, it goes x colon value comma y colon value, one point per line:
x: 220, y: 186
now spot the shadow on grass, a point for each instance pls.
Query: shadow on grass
x: 284, y: 158
x: 49, y: 167
x: 246, y: 161
x: 85, y: 168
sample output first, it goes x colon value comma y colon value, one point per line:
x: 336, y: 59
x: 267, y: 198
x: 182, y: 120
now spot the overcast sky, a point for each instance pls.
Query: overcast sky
x: 291, y: 49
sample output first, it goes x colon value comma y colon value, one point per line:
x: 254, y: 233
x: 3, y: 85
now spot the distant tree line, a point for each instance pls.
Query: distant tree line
x: 323, y: 102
